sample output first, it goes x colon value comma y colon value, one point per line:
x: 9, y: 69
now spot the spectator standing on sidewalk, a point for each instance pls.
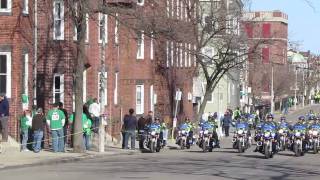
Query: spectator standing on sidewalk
x: 226, y: 122
x: 66, y: 125
x: 4, y: 116
x: 56, y: 121
x: 130, y: 125
x: 38, y: 123
x: 25, y: 124
x: 94, y: 110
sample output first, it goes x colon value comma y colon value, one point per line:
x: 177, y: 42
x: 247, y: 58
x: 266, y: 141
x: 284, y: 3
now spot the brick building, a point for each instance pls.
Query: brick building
x: 267, y: 32
x: 16, y: 54
x: 142, y: 71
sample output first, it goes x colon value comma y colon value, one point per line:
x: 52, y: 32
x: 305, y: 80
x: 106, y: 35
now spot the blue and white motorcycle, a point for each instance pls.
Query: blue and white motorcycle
x: 266, y: 140
x: 241, y: 139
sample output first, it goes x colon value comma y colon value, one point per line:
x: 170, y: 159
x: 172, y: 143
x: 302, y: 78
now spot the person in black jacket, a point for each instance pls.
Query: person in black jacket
x: 4, y: 116
x: 129, y: 127
x: 38, y: 124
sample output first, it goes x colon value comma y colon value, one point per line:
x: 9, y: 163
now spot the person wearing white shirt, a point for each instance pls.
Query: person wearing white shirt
x: 94, y: 110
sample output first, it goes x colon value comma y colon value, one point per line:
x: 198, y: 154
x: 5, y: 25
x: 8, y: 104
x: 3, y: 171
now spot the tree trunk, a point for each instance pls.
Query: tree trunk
x: 79, y: 65
x: 203, y: 105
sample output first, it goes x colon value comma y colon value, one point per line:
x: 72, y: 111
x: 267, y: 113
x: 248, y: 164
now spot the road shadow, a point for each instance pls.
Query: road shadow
x: 253, y: 156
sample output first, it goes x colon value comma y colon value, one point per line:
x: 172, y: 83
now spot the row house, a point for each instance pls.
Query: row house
x: 267, y: 32
x: 143, y: 70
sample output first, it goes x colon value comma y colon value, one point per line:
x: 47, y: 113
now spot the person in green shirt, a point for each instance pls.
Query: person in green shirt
x: 86, y: 127
x: 55, y: 121
x: 25, y: 124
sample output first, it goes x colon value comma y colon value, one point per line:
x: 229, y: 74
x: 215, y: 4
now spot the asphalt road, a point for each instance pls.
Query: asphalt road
x: 172, y: 163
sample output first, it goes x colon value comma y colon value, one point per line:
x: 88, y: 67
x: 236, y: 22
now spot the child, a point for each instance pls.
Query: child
x: 25, y: 124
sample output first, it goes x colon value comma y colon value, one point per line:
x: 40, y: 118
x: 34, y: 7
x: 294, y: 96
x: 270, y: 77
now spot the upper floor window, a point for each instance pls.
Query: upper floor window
x: 76, y: 31
x: 140, y: 2
x: 5, y: 73
x: 139, y: 99
x: 5, y: 5
x: 58, y: 20
x: 266, y: 30
x: 152, y: 46
x: 103, y: 30
x: 25, y: 7
x: 140, y: 43
x: 58, y: 88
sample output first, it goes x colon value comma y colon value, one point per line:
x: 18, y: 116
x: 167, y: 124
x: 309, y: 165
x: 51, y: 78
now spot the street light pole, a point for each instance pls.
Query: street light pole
x: 295, y: 90
x: 272, y: 90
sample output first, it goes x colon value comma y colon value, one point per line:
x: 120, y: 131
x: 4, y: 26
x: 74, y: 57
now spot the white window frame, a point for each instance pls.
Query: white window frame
x: 105, y: 88
x: 116, y: 30
x: 177, y: 55
x: 152, y: 46
x: 178, y: 8
x: 8, y: 9
x: 172, y: 53
x: 84, y: 86
x: 186, y: 55
x: 189, y: 48
x: 55, y: 18
x: 140, y: 45
x: 61, y: 92
x: 87, y: 28
x: 26, y: 73
x: 140, y: 3
x: 168, y: 8
x: 167, y: 54
x: 172, y: 8
x: 181, y: 55
x: 115, y: 96
x: 25, y: 7
x: 194, y: 56
x: 105, y: 28
x: 8, y: 73
x: 151, y: 98
x: 140, y: 110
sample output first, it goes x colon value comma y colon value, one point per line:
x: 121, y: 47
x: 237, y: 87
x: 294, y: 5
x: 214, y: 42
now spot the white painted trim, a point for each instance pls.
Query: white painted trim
x: 61, y: 92
x: 151, y: 98
x: 62, y: 20
x: 26, y: 74
x: 140, y: 107
x: 84, y: 86
x: 115, y: 97
x: 140, y: 3
x: 105, y: 28
x: 9, y: 8
x: 152, y: 46
x: 105, y: 88
x: 140, y: 46
x: 25, y: 7
x: 8, y: 73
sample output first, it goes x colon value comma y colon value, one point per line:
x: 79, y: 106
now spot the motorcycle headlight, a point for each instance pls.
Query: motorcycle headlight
x: 297, y: 134
x: 273, y: 134
x: 245, y: 132
x: 315, y: 133
x: 201, y: 132
x: 310, y: 132
x: 183, y: 131
x: 240, y: 131
x: 153, y: 133
x: 206, y: 132
x: 267, y: 134
x: 281, y: 131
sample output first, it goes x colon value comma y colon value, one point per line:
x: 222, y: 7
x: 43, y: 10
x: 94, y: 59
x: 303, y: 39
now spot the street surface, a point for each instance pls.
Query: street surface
x: 172, y: 163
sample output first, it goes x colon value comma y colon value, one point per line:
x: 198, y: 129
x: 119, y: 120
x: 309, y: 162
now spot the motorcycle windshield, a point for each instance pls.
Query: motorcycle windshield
x: 283, y: 126
x: 268, y: 127
x: 207, y: 126
x: 315, y: 126
x: 299, y: 127
x: 241, y: 126
x: 184, y: 127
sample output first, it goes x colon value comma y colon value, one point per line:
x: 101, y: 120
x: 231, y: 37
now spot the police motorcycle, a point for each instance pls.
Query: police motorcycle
x: 185, y: 136
x: 152, y: 140
x: 241, y: 139
x: 298, y: 141
x: 251, y: 120
x: 266, y: 139
x: 314, y: 137
x: 206, y: 140
x: 283, y: 134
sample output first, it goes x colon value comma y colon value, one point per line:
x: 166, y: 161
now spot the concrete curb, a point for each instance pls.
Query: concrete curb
x: 89, y: 155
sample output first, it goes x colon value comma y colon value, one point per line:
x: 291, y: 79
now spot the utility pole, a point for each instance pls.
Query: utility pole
x: 35, y: 58
x: 102, y: 83
x: 303, y: 98
x: 295, y: 90
x: 272, y: 90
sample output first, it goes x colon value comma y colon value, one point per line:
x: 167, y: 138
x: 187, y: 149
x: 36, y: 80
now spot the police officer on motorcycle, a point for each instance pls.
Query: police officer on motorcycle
x: 214, y: 123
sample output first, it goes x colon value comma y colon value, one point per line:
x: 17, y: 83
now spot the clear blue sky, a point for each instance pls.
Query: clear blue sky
x: 304, y: 20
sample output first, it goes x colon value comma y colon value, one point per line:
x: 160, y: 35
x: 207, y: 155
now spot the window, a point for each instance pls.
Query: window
x: 103, y: 30
x: 181, y: 55
x: 167, y: 54
x: 58, y: 88
x: 116, y: 88
x: 177, y: 55
x: 139, y: 99
x: 249, y: 30
x: 265, y: 55
x: 171, y: 53
x: 84, y: 86
x: 25, y: 7
x: 151, y: 46
x: 25, y: 73
x: 216, y: 4
x: 229, y: 25
x: 5, y: 5
x: 116, y: 30
x: 168, y: 8
x: 185, y: 55
x: 5, y: 73
x: 194, y: 56
x: 102, y: 87
x: 266, y: 30
x: 140, y: 43
x: 76, y: 32
x: 58, y: 20
x: 151, y: 98
x: 140, y: 2
x: 172, y: 8
x: 178, y: 8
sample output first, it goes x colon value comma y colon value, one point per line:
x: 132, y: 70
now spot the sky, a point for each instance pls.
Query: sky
x: 304, y: 20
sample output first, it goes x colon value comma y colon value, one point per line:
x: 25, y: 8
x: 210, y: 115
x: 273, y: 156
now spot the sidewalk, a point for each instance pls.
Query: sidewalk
x: 12, y: 158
